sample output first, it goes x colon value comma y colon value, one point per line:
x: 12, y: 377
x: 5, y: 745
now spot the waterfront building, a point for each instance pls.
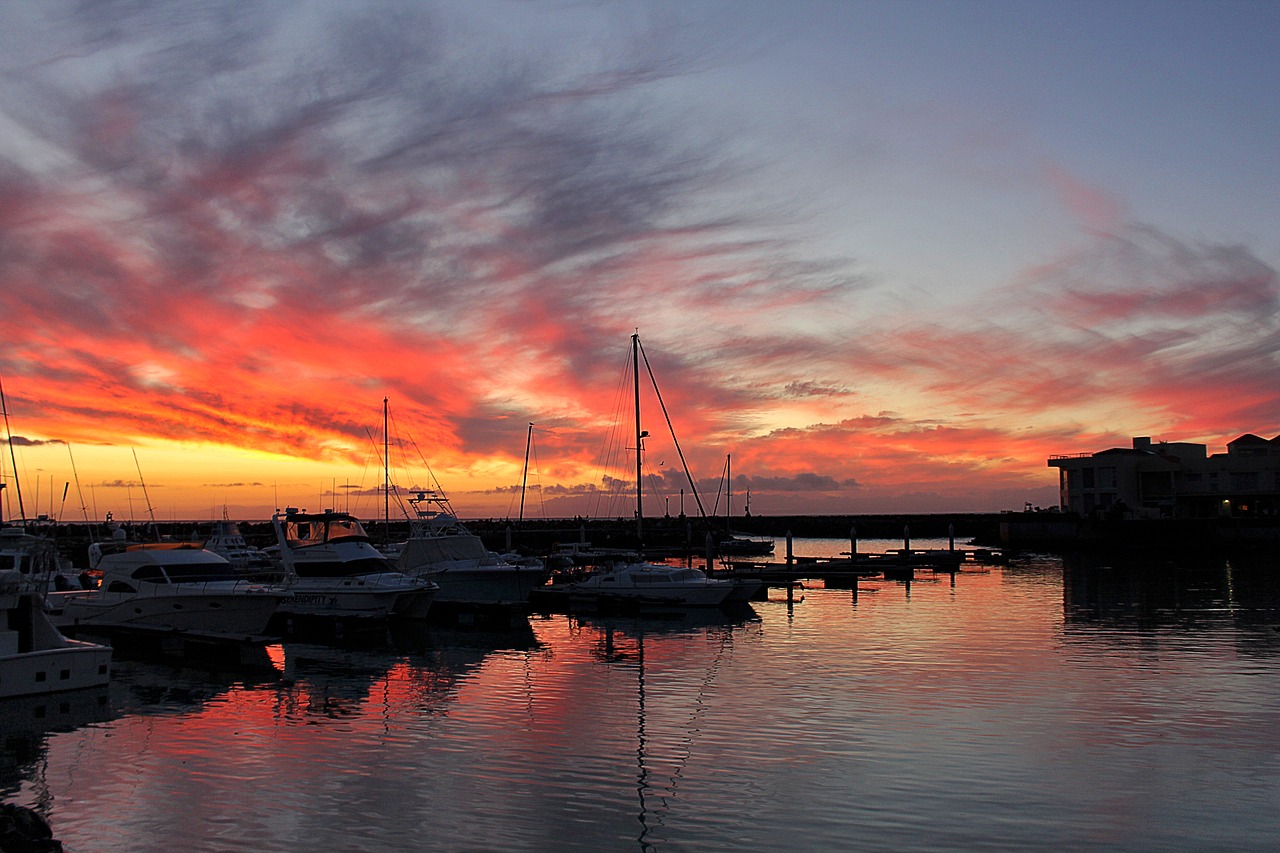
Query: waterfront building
x: 1172, y: 480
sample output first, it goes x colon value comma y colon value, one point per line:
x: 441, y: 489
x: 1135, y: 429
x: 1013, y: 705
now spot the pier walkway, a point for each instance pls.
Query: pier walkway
x: 900, y: 564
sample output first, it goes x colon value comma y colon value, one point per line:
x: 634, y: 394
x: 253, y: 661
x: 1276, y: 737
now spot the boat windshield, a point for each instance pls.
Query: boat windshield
x: 316, y: 531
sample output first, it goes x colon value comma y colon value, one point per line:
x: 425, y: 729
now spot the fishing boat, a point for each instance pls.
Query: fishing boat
x: 175, y: 586
x: 228, y: 542
x: 335, y: 572
x: 35, y: 657
x: 441, y: 549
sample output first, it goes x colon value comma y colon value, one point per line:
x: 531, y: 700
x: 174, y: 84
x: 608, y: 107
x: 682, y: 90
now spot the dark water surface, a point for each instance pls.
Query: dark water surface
x: 1077, y: 704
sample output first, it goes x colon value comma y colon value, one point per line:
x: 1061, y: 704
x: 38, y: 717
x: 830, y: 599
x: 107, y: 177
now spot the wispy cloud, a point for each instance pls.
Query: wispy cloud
x: 243, y: 226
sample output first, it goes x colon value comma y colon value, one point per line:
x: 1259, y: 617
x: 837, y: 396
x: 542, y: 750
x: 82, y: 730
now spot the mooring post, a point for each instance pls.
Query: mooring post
x: 508, y: 537
x: 853, y: 545
x: 951, y: 537
x: 791, y: 580
x: 906, y: 537
x: 711, y: 549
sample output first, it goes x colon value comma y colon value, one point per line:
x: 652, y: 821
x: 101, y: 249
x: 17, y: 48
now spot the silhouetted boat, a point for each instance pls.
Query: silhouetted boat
x: 168, y: 585
x: 440, y: 549
x: 335, y: 572
x: 635, y: 582
x: 228, y: 542
x: 35, y: 657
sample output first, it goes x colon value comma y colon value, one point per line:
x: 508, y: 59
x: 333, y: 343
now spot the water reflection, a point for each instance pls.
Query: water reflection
x: 27, y: 721
x: 1136, y: 596
x: 665, y: 742
x: 413, y: 673
x: 1084, y: 706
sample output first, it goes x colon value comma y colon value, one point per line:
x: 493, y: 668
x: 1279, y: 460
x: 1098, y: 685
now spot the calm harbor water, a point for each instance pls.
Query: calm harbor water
x: 1050, y: 703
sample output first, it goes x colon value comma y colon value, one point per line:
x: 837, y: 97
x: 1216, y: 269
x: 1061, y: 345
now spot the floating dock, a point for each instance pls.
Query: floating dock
x: 847, y: 570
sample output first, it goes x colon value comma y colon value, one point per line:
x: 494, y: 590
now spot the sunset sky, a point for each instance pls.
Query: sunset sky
x: 889, y: 255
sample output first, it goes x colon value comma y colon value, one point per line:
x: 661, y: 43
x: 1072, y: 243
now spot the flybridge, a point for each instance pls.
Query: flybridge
x: 303, y: 528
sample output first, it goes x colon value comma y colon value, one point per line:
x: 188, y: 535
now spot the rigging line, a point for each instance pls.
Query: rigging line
x: 537, y: 473
x: 395, y: 430
x: 150, y: 511
x: 373, y: 441
x: 17, y: 482
x: 607, y: 460
x: 434, y: 482
x: 720, y: 488
x: 76, y: 476
x: 692, y: 486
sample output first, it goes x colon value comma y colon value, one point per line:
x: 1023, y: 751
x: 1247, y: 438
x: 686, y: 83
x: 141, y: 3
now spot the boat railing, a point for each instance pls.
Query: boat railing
x: 163, y: 589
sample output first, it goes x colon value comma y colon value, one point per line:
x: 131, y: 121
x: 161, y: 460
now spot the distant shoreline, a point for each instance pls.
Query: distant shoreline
x: 1034, y: 530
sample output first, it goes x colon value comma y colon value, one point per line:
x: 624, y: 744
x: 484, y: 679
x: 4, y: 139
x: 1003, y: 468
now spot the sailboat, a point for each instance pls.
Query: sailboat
x: 638, y: 583
x: 739, y: 546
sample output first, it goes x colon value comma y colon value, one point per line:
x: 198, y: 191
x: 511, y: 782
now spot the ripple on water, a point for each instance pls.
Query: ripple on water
x: 1028, y: 706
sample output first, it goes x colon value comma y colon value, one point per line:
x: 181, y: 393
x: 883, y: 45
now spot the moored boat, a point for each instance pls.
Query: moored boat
x: 440, y: 549
x: 35, y: 657
x: 177, y: 586
x: 640, y: 583
x: 227, y: 541
x: 335, y: 572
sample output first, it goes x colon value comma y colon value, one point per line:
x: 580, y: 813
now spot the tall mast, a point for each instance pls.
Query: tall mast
x: 17, y: 482
x: 635, y: 370
x: 151, y: 513
x: 528, y: 442
x: 728, y: 495
x: 386, y: 474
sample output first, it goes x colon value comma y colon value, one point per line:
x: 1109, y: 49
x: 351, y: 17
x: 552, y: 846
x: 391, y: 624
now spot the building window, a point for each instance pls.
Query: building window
x: 1246, y: 481
x: 1088, y: 477
x: 1106, y: 478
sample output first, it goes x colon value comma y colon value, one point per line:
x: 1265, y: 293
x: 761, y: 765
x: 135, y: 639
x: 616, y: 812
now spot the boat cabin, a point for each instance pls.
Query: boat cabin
x: 303, y: 529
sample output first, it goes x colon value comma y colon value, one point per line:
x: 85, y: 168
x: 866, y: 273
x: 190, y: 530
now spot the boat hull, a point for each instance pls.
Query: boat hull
x: 352, y: 598
x: 238, y: 613
x: 75, y: 666
x: 35, y: 658
x: 682, y: 595
x: 499, y: 586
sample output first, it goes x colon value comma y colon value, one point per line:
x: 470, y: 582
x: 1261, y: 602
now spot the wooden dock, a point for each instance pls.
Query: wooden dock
x: 847, y: 570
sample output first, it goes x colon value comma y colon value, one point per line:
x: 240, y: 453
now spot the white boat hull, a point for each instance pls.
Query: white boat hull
x: 358, y: 597
x: 75, y: 666
x: 651, y: 584
x: 175, y: 607
x: 493, y: 585
x: 678, y: 595
x: 35, y: 658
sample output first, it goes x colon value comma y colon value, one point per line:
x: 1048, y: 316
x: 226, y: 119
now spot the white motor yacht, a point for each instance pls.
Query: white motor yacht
x: 35, y: 658
x: 334, y: 570
x: 227, y: 541
x: 440, y: 549
x: 651, y: 583
x: 170, y: 585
